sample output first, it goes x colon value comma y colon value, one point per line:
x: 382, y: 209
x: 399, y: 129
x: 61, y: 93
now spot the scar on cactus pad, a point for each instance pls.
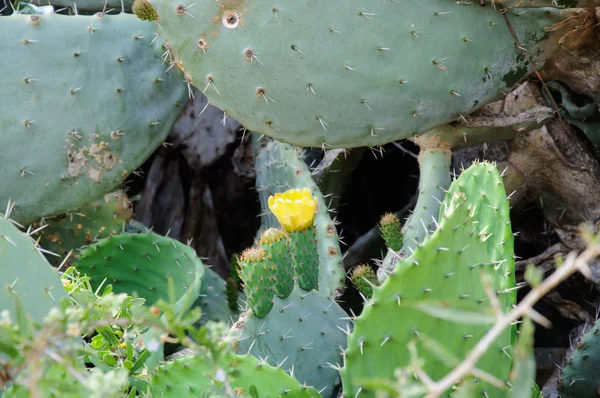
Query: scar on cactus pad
x: 295, y: 210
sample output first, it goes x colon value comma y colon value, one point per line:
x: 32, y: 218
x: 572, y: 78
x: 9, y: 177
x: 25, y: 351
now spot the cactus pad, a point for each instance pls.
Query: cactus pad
x: 195, y: 376
x: 103, y: 217
x: 279, y: 168
x: 85, y: 101
x: 368, y: 74
x: 473, y: 238
x: 26, y: 273
x: 304, y: 332
x: 581, y: 376
x: 141, y: 264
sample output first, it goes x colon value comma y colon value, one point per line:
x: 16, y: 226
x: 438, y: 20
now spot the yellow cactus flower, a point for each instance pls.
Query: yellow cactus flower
x: 294, y: 209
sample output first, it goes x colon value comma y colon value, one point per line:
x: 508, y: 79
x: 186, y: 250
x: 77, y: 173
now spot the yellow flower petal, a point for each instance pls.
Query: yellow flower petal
x: 294, y: 209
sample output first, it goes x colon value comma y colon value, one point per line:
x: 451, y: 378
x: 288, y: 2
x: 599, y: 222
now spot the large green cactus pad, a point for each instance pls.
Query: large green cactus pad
x: 581, y: 375
x: 141, y: 264
x: 25, y: 272
x: 369, y: 72
x: 196, y: 376
x: 85, y: 100
x: 304, y: 332
x: 279, y: 168
x: 474, y: 238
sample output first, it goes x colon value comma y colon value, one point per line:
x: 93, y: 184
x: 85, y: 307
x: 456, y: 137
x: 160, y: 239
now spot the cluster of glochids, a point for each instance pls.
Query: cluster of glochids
x: 283, y: 255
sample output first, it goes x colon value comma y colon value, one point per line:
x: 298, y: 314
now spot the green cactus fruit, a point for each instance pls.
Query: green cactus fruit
x: 280, y: 168
x: 258, y: 277
x: 434, y: 166
x: 303, y: 334
x: 276, y: 244
x: 98, y: 219
x: 27, y: 274
x: 245, y: 376
x: 305, y: 254
x: 144, y: 10
x: 580, y: 377
x: 142, y: 264
x: 365, y: 279
x: 59, y: 148
x: 391, y: 231
x: 426, y: 297
x: 368, y: 74
x: 215, y: 300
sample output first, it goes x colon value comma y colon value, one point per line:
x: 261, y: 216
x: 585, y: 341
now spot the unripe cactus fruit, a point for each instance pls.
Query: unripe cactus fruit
x: 275, y: 242
x: 391, y: 231
x: 365, y: 279
x: 295, y: 210
x: 259, y: 280
x: 144, y: 10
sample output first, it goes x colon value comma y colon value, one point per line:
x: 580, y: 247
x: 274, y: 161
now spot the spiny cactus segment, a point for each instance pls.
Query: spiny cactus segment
x: 26, y: 274
x: 580, y: 377
x: 240, y: 375
x: 142, y: 264
x: 56, y: 141
x: 255, y: 61
x: 474, y: 238
x: 304, y: 334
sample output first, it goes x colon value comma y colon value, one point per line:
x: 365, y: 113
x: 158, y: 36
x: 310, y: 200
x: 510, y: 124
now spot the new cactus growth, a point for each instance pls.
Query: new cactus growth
x: 365, y: 279
x: 57, y: 142
x: 370, y: 73
x: 391, y: 231
x: 258, y: 276
x: 142, y: 264
x: 441, y: 280
x: 276, y: 244
x: 295, y: 210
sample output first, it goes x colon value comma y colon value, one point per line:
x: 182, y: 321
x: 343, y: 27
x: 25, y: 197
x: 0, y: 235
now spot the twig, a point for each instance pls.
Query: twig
x: 572, y: 264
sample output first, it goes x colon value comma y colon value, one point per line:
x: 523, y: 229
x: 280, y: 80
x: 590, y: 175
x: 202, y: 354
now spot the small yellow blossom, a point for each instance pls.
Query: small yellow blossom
x: 294, y: 209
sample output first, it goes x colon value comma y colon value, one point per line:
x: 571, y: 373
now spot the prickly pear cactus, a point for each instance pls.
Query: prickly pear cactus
x: 581, y: 376
x: 85, y: 101
x: 443, y: 275
x: 369, y: 73
x: 105, y: 216
x: 304, y: 333
x: 26, y: 273
x: 142, y: 264
x: 195, y: 376
x: 278, y: 169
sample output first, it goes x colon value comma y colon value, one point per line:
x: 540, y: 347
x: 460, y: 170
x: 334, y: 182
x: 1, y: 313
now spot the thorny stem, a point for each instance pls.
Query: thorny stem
x: 572, y: 264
